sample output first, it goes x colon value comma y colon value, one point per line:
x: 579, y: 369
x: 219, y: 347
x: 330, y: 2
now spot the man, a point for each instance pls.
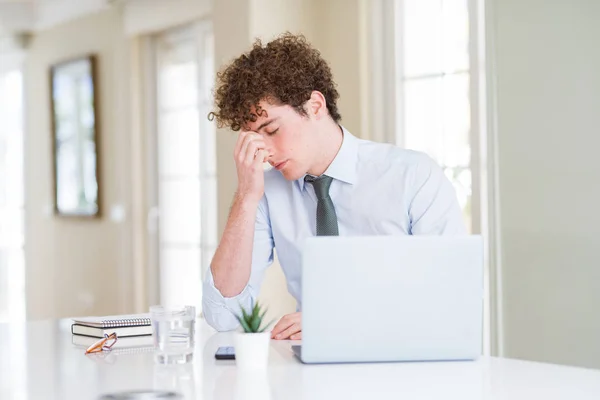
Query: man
x: 324, y: 180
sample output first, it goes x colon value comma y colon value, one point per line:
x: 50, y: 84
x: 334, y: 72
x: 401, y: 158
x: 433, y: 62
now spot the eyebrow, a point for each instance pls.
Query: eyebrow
x: 267, y: 123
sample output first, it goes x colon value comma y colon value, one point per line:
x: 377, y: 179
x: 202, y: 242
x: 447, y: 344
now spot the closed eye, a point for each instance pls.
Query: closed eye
x: 273, y: 132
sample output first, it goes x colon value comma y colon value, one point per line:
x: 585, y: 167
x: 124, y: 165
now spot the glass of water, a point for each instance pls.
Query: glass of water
x: 173, y: 333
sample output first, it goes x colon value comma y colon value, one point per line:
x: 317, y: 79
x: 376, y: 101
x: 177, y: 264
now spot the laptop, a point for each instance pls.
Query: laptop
x: 391, y: 298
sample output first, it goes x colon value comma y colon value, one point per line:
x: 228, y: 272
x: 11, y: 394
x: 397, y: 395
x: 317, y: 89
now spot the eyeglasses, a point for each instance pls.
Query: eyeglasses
x: 104, y: 344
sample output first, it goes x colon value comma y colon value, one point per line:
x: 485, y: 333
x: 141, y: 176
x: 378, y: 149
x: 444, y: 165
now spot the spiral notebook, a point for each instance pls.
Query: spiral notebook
x: 123, y: 342
x: 123, y: 325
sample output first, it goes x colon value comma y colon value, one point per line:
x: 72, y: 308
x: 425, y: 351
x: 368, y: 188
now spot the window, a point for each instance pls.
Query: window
x: 433, y: 64
x: 430, y: 95
x: 12, y: 258
x: 186, y: 163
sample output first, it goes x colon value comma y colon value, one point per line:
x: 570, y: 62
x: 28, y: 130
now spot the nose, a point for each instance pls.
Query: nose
x: 268, y: 147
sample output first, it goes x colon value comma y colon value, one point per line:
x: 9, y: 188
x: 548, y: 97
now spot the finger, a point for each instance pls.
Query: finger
x: 282, y: 325
x: 252, y: 151
x: 295, y: 328
x: 239, y: 142
x: 248, y: 141
x: 260, y: 157
x: 296, y: 336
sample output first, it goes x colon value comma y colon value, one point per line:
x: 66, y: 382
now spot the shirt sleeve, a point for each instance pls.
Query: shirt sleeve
x: 219, y: 310
x: 434, y: 208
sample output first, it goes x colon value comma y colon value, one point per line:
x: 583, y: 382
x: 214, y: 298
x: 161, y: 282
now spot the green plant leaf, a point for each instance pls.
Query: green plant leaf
x: 244, y: 313
x: 245, y: 326
x: 262, y: 316
x: 255, y: 311
x: 243, y: 319
x: 255, y: 324
x: 251, y: 321
x: 255, y: 318
x: 242, y: 322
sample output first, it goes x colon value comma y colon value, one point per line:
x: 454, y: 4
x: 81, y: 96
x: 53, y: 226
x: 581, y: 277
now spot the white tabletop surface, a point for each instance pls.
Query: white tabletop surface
x: 39, y: 361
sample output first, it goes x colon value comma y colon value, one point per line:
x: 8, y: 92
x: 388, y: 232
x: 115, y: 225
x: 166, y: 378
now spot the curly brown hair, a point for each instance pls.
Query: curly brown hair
x: 284, y: 71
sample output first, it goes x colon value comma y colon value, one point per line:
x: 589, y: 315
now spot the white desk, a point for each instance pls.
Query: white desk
x: 38, y: 361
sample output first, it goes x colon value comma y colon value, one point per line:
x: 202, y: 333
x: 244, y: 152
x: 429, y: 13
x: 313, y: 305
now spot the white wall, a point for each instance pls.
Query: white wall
x: 339, y: 31
x: 548, y: 66
x: 270, y: 18
x: 78, y: 266
x: 147, y: 16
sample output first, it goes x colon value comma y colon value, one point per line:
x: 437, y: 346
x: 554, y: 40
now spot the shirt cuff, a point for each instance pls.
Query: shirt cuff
x: 220, y: 311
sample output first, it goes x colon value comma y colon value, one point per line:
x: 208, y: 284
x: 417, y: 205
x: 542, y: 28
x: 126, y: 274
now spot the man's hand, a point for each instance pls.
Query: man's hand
x: 249, y: 154
x: 288, y: 327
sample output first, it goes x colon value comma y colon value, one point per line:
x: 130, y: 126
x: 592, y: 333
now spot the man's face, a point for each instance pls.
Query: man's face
x: 287, y: 135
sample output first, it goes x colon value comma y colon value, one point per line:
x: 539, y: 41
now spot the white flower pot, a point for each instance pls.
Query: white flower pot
x: 252, y: 349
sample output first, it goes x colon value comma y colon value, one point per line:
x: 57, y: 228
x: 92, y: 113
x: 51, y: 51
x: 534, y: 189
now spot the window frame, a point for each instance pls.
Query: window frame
x: 387, y: 118
x: 201, y: 32
x: 16, y: 296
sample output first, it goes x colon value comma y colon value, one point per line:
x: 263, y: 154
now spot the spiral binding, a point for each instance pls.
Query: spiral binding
x: 116, y: 323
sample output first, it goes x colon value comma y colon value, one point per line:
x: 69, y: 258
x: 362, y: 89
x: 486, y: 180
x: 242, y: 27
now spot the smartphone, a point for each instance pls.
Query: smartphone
x: 225, y: 353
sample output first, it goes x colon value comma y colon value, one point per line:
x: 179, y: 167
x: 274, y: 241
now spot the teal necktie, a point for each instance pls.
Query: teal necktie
x: 326, y: 218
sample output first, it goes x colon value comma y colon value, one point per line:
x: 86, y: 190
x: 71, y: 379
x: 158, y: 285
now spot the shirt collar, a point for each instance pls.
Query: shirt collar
x: 343, y: 166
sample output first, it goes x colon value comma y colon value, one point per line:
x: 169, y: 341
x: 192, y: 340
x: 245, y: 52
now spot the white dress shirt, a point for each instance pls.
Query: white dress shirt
x: 377, y: 189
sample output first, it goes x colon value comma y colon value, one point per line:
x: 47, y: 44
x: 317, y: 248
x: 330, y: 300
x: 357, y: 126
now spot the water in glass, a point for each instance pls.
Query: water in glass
x: 173, y: 332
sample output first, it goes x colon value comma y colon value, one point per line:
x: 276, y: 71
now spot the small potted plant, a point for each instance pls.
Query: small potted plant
x: 252, y: 344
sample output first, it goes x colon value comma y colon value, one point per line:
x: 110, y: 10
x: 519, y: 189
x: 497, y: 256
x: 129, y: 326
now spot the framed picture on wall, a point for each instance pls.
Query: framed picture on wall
x: 74, y: 103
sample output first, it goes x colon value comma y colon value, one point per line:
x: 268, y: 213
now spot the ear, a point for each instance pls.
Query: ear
x: 316, y: 106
